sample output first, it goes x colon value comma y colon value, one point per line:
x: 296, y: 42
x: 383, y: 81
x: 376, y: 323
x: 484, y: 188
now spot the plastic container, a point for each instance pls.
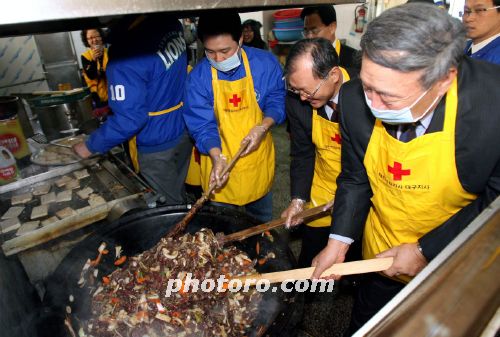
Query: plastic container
x: 288, y: 34
x: 12, y: 137
x: 289, y: 23
x: 291, y: 13
x: 8, y: 167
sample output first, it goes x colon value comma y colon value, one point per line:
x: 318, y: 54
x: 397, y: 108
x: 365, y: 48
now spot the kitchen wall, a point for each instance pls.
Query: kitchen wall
x: 20, y: 66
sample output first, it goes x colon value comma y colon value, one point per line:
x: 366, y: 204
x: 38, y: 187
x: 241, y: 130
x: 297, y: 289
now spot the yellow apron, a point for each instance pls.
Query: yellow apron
x: 415, y: 185
x: 193, y: 176
x: 100, y: 87
x: 132, y: 143
x: 237, y: 111
x: 326, y: 138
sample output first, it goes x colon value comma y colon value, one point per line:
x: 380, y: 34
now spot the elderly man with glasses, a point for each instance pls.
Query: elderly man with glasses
x: 314, y: 80
x: 420, y: 154
x: 482, y: 21
x: 321, y: 21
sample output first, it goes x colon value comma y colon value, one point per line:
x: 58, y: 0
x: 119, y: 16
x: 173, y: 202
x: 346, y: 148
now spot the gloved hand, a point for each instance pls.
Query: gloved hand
x: 296, y: 206
x: 216, y: 177
x: 253, y: 139
x: 82, y: 150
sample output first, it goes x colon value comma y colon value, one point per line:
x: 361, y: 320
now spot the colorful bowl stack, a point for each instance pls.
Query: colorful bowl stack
x: 288, y: 25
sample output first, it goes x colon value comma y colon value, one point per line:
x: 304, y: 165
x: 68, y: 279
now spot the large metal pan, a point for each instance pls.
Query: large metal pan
x: 142, y: 230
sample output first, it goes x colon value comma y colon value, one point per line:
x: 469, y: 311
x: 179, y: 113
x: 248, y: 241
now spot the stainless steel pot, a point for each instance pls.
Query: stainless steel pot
x: 62, y: 116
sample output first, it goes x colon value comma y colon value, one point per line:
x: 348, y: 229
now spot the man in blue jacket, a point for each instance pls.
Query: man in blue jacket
x: 482, y: 21
x: 146, y: 79
x: 233, y: 97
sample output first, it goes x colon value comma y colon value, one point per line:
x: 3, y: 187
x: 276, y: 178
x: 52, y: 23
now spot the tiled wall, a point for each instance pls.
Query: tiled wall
x: 20, y: 66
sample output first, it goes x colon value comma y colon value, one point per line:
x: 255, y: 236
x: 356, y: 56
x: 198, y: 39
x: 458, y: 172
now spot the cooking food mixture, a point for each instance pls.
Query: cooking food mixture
x: 131, y: 301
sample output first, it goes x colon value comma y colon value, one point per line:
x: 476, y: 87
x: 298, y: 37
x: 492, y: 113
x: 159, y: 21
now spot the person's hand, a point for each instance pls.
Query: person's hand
x: 334, y: 252
x: 97, y: 51
x: 296, y: 206
x: 216, y: 177
x: 254, y: 138
x: 408, y: 260
x: 82, y: 150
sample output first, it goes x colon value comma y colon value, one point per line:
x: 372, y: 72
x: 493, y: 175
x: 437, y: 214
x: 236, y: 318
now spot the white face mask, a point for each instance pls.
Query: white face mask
x: 401, y: 116
x: 228, y: 64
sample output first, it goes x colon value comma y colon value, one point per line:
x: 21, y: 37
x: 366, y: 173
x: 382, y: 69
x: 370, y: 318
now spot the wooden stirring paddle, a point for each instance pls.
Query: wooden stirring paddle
x: 181, y: 225
x: 318, y: 211
x: 347, y: 268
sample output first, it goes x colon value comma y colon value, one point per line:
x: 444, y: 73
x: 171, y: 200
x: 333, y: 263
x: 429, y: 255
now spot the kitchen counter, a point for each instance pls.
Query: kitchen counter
x: 42, y: 249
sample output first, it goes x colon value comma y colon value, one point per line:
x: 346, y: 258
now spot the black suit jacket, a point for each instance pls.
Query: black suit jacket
x: 349, y: 57
x: 477, y: 153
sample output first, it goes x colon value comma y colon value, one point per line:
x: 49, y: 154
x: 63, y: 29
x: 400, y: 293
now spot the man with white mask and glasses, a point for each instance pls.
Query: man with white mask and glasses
x: 420, y: 154
x: 233, y: 97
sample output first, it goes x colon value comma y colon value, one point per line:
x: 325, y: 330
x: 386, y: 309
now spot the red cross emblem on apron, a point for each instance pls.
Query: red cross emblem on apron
x: 336, y: 138
x: 397, y: 171
x: 235, y: 100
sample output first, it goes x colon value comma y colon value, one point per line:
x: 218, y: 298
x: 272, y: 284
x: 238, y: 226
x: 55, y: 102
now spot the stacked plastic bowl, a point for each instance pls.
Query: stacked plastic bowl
x: 288, y: 25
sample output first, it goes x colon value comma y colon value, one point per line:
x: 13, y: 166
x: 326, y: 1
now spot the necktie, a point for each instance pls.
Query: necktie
x: 408, y: 132
x: 335, y: 115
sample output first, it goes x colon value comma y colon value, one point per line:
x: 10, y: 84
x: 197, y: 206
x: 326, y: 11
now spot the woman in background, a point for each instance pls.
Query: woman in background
x: 94, y: 62
x: 251, y: 34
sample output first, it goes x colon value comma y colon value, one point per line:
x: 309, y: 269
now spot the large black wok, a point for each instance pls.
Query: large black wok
x: 141, y: 231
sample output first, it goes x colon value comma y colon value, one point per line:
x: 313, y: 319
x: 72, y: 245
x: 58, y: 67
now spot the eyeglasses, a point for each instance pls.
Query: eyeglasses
x: 313, y: 32
x: 479, y: 11
x: 307, y: 95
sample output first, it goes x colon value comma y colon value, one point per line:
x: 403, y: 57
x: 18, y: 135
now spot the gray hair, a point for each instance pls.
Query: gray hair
x: 415, y: 36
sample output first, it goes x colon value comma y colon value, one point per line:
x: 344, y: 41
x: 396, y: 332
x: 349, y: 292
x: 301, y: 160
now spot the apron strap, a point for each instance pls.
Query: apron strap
x: 132, y: 143
x: 345, y: 74
x: 337, y: 47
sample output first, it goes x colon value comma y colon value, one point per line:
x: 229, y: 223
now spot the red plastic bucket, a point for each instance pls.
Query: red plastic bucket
x: 291, y: 13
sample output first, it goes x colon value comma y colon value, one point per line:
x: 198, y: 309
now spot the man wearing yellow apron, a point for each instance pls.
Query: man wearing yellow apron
x: 234, y: 96
x: 314, y: 81
x: 420, y: 154
x: 146, y: 89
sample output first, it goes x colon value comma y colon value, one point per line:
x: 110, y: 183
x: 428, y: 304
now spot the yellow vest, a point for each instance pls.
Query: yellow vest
x: 99, y: 86
x: 237, y: 111
x: 326, y: 138
x: 415, y: 185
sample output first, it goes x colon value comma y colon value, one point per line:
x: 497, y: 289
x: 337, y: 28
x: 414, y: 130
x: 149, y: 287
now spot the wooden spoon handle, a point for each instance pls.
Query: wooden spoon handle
x: 347, y: 268
x: 241, y: 235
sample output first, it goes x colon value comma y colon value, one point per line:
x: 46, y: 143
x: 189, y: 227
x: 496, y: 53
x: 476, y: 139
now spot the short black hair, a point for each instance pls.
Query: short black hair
x: 496, y: 3
x: 220, y: 22
x: 83, y: 35
x: 326, y: 13
x: 322, y: 53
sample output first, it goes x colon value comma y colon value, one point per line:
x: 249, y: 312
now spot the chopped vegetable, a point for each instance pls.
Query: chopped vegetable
x: 121, y: 260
